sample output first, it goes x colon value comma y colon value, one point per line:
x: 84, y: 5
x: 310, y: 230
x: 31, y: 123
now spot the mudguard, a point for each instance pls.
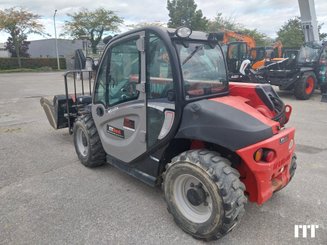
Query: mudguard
x: 222, y: 124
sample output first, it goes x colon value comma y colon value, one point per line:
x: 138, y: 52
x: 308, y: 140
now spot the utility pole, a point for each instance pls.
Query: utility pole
x: 56, y: 41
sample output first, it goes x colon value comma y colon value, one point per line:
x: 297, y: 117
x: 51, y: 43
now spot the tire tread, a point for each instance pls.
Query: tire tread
x: 230, y: 188
x: 97, y: 154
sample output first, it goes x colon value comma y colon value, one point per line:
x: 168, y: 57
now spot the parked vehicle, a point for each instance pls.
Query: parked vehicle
x: 303, y: 73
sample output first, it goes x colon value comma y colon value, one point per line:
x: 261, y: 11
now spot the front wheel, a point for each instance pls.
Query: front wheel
x: 204, y: 194
x: 87, y: 142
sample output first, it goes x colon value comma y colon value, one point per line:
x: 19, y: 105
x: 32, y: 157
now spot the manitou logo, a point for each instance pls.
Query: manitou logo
x: 311, y: 229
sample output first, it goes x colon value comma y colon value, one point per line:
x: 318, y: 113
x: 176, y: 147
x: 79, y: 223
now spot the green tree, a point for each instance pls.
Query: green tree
x: 221, y: 23
x: 260, y: 38
x: 23, y: 47
x: 322, y: 35
x: 185, y: 13
x: 18, y: 23
x: 92, y: 24
x: 291, y: 33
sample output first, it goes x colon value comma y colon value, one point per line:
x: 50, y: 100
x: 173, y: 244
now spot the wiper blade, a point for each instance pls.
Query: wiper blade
x: 197, y: 48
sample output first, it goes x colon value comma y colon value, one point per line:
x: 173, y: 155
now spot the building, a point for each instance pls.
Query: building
x: 3, y: 52
x: 46, y: 48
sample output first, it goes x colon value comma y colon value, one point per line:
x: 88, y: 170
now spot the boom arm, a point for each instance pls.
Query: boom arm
x: 239, y: 37
x: 309, y: 20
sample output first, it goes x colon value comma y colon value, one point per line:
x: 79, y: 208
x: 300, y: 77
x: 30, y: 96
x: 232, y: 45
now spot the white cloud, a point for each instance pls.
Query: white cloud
x: 266, y: 16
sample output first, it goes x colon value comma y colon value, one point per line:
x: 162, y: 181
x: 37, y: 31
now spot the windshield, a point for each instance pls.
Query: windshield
x: 309, y: 53
x: 203, y: 68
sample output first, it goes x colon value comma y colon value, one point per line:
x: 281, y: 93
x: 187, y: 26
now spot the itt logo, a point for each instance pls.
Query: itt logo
x: 305, y: 231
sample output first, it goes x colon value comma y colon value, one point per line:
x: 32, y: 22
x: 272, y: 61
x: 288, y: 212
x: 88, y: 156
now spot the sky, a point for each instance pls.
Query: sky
x: 267, y: 16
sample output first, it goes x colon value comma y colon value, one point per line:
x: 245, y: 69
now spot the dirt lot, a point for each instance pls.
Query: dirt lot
x: 48, y: 197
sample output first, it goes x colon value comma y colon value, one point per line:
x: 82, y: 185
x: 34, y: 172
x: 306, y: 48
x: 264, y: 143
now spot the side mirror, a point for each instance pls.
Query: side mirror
x: 244, y: 65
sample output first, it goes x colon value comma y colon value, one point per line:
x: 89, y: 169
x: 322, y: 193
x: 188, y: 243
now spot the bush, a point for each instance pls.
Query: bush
x: 31, y: 63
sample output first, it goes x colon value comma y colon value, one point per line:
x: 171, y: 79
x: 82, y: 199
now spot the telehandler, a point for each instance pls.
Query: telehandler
x: 162, y: 110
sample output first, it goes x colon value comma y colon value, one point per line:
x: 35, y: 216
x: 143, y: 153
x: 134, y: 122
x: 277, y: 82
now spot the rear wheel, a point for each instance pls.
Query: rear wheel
x: 87, y: 142
x: 305, y: 86
x: 204, y: 194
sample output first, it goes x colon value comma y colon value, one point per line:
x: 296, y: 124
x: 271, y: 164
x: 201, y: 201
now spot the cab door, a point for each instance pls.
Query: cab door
x: 236, y: 53
x: 119, y: 103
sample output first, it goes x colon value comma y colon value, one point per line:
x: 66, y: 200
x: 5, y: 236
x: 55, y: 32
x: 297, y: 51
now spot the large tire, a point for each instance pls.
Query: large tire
x: 204, y: 194
x: 87, y: 142
x: 305, y: 87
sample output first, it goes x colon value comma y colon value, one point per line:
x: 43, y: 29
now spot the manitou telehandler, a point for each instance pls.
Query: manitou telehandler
x: 162, y: 110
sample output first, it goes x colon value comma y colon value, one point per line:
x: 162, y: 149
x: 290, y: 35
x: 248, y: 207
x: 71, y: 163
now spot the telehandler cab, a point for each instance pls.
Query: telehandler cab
x: 162, y: 110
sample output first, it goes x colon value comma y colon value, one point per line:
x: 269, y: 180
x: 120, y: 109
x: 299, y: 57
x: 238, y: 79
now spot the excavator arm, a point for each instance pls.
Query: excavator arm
x: 228, y: 35
x: 278, y: 44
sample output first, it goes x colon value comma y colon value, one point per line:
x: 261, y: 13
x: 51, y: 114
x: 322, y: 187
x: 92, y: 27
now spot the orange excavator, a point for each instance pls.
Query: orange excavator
x: 228, y: 35
x: 241, y: 47
x: 238, y: 49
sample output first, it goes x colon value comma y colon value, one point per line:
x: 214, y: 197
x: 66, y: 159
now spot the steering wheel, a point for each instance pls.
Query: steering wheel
x: 128, y: 90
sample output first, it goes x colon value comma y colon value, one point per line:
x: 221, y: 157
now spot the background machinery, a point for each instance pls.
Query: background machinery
x: 306, y: 71
x: 244, y: 47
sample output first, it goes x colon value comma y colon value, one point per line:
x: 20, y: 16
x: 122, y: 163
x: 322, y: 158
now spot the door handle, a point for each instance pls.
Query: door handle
x: 99, y: 111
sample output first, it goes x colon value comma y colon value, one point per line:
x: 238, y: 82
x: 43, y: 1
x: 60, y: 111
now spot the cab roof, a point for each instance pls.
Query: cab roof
x: 171, y: 32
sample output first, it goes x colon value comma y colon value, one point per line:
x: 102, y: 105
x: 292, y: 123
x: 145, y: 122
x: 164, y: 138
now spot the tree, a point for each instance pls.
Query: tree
x: 91, y: 25
x: 322, y: 35
x: 23, y: 46
x: 185, y: 13
x: 260, y: 38
x: 18, y: 23
x: 220, y: 23
x: 291, y: 33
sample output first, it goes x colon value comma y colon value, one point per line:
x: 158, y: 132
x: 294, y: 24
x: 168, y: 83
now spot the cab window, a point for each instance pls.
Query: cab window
x: 159, y: 69
x: 203, y: 68
x: 119, y: 74
x: 160, y: 82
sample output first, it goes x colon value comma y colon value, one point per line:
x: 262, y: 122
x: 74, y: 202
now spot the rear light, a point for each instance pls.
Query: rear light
x: 258, y: 155
x: 264, y: 155
x: 268, y: 156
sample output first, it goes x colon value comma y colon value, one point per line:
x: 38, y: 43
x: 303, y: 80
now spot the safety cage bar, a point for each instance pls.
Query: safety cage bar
x: 80, y: 96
